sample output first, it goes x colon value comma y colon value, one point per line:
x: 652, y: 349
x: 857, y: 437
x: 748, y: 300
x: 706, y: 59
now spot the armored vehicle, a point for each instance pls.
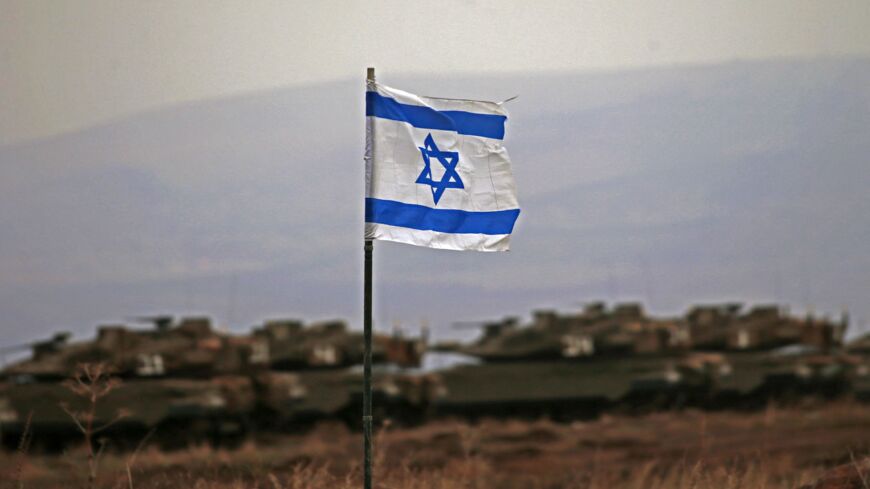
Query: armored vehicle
x: 178, y: 411
x: 596, y: 331
x: 191, y: 349
x: 625, y: 330
x: 315, y: 395
x: 860, y: 345
x: 288, y: 345
x: 188, y: 383
x: 716, y: 356
x: 564, y: 391
x: 693, y: 380
x: 176, y: 375
x: 763, y: 327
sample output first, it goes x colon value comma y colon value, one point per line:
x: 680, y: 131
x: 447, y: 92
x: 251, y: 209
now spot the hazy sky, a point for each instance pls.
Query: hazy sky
x: 205, y: 157
x: 65, y: 65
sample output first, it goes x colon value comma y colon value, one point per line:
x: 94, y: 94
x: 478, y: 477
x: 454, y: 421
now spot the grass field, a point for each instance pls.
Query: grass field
x: 775, y: 448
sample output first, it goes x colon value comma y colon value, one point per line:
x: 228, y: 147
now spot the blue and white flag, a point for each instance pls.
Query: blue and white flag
x: 437, y: 174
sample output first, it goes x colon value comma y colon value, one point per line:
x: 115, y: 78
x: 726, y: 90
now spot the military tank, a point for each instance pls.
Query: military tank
x: 569, y: 366
x: 324, y: 358
x: 176, y: 411
x: 621, y: 331
x: 570, y: 390
x: 860, y: 347
x: 183, y: 375
x: 287, y: 344
x: 188, y: 383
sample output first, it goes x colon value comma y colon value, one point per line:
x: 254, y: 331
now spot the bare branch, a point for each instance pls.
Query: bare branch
x: 121, y: 414
x: 858, y: 469
x: 73, y: 416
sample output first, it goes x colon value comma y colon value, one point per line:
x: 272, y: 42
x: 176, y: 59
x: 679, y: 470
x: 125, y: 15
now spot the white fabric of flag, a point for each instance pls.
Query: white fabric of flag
x: 437, y: 174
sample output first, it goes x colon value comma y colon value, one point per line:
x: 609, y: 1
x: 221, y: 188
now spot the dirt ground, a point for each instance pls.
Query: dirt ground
x: 775, y: 448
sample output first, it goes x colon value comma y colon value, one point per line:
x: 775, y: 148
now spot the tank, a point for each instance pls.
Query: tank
x: 289, y: 345
x: 324, y: 359
x: 404, y: 398
x: 183, y: 382
x: 175, y: 412
x: 596, y: 331
x: 690, y: 380
x: 556, y: 389
x: 569, y: 366
x: 190, y: 348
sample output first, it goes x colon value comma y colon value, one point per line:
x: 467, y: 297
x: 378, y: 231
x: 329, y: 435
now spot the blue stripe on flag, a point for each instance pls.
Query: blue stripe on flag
x: 442, y: 220
x: 469, y: 123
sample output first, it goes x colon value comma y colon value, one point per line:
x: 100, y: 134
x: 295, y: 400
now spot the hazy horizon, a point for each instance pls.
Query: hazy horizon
x: 669, y: 185
x: 68, y: 66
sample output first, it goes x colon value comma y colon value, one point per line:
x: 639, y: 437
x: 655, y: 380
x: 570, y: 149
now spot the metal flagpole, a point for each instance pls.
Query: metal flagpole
x: 367, y: 333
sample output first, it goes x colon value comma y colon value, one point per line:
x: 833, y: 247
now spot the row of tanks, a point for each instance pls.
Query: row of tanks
x: 185, y: 382
x: 578, y: 365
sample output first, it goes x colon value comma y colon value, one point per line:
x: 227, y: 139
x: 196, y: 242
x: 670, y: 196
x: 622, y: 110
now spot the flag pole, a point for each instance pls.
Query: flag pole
x: 367, y: 333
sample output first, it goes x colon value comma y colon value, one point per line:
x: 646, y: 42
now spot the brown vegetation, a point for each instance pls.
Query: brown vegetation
x: 91, y: 382
x: 772, y: 449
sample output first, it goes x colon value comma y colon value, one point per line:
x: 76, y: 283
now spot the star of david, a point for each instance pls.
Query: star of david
x: 448, y: 160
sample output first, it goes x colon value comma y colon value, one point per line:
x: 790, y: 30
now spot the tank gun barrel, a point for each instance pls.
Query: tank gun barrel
x: 470, y: 324
x: 160, y: 321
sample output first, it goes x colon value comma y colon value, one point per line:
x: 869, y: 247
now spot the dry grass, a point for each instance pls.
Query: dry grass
x: 21, y: 453
x: 772, y: 449
x: 91, y: 382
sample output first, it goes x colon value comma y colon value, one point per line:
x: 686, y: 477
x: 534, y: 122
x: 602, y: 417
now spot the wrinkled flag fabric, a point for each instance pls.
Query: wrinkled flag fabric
x: 437, y: 174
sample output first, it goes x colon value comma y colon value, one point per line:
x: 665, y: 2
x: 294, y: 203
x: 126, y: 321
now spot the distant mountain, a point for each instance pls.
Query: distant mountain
x: 746, y: 180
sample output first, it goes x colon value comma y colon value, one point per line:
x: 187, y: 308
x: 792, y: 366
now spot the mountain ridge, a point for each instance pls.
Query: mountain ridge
x: 678, y: 183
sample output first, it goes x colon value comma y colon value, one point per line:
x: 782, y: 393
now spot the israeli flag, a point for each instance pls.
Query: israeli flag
x: 437, y: 174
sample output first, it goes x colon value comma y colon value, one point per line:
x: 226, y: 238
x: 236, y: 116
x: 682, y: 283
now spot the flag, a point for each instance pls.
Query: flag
x: 437, y: 174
